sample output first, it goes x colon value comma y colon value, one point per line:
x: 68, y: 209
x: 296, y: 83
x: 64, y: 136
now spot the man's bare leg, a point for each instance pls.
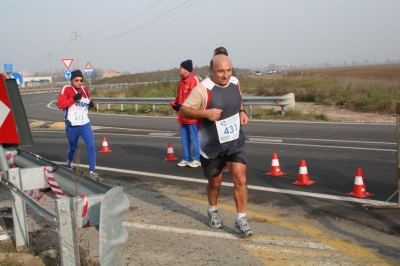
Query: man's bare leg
x: 240, y: 192
x: 213, y: 189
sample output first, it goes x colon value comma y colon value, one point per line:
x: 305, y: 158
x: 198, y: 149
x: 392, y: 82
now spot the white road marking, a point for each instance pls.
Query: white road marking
x: 179, y: 230
x: 227, y: 184
x: 267, y: 241
x: 263, y: 141
x: 326, y: 140
x: 33, y: 104
x: 325, y: 123
x: 165, y: 134
x: 322, y: 146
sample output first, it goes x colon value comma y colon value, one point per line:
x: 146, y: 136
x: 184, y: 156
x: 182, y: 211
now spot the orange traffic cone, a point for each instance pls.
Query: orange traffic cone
x: 359, y: 189
x: 104, y: 148
x: 303, y: 179
x: 170, y: 154
x: 275, y: 169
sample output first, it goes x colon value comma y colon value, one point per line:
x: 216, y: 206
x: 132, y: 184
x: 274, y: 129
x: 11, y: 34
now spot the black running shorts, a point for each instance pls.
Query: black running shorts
x: 213, y: 167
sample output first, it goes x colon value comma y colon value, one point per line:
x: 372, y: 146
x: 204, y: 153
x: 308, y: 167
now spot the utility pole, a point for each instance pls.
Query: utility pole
x: 76, y: 39
x: 51, y: 70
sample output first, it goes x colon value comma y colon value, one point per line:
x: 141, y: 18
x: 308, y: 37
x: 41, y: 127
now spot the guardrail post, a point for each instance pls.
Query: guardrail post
x: 69, y: 254
x: 122, y: 106
x: 18, y: 210
x: 108, y: 106
x: 98, y: 109
x: 135, y: 107
x: 154, y: 107
x: 250, y: 111
x: 282, y: 110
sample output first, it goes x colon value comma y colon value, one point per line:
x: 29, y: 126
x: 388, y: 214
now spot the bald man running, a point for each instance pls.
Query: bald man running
x: 218, y: 104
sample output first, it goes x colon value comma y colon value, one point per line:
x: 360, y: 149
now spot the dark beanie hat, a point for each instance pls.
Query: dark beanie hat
x: 188, y: 65
x: 76, y: 73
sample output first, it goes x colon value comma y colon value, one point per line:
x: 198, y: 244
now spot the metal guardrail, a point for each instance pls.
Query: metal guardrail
x: 39, y: 90
x: 127, y: 85
x: 283, y: 101
x: 102, y: 86
x: 29, y: 174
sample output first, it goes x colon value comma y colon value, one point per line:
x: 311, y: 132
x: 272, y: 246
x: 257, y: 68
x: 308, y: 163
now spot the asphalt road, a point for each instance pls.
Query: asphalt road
x: 277, y: 209
x: 332, y: 151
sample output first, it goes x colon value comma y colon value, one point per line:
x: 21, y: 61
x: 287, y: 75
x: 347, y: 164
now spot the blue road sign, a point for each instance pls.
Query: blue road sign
x: 67, y: 74
x: 18, y: 77
x: 88, y: 73
x: 8, y: 68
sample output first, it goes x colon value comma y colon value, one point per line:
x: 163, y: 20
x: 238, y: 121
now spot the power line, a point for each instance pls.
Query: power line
x: 124, y: 20
x: 63, y: 48
x: 145, y: 25
x: 76, y: 39
x: 51, y: 69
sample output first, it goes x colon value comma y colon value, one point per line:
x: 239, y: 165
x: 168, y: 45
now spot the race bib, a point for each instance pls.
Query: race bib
x: 78, y: 112
x: 79, y: 117
x: 228, y: 129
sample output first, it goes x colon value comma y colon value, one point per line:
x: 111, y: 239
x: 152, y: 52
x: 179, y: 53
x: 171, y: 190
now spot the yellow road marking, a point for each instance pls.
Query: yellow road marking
x: 350, y: 249
x: 57, y: 125
x: 276, y: 255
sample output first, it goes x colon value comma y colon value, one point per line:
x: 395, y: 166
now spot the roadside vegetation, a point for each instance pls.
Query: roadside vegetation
x: 356, y: 90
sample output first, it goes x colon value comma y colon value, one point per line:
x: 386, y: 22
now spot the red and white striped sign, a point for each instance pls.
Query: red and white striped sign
x: 53, y: 184
x: 37, y: 194
x: 84, y: 204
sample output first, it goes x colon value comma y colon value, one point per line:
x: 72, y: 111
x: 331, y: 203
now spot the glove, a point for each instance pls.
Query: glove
x: 91, y: 104
x: 77, y: 96
x: 175, y: 106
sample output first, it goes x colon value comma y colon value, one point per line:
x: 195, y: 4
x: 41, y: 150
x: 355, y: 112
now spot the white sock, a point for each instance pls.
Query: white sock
x: 212, y: 208
x: 240, y: 215
x: 91, y: 172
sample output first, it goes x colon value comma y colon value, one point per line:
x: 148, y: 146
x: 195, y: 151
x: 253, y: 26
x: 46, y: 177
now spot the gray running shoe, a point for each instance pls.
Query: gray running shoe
x: 243, y: 228
x: 95, y: 176
x: 214, y: 219
x: 194, y: 163
x: 183, y: 163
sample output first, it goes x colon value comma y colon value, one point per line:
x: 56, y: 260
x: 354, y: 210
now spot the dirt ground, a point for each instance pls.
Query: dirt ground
x: 338, y: 114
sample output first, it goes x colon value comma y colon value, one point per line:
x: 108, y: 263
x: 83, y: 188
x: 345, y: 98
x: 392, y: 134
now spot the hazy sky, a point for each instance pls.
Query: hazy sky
x: 134, y: 36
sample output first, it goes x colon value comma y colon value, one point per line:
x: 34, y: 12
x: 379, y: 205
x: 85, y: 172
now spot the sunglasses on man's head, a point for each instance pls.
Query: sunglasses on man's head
x: 78, y: 80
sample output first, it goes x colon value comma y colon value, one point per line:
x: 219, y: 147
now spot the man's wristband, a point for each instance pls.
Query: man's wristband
x: 244, y: 111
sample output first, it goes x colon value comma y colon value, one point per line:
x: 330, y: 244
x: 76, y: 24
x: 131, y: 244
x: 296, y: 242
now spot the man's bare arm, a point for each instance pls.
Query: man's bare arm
x: 211, y: 114
x: 244, y: 119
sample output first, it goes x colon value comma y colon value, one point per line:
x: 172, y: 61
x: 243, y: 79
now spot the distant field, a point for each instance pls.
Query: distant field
x: 388, y: 72
x: 368, y: 89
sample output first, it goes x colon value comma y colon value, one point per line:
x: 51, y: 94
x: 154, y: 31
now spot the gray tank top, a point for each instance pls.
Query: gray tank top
x: 228, y: 99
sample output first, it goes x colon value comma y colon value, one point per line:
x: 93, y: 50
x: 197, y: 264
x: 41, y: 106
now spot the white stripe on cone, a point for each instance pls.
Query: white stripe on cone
x: 170, y: 150
x: 358, y: 180
x: 303, y: 170
x: 275, y: 162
